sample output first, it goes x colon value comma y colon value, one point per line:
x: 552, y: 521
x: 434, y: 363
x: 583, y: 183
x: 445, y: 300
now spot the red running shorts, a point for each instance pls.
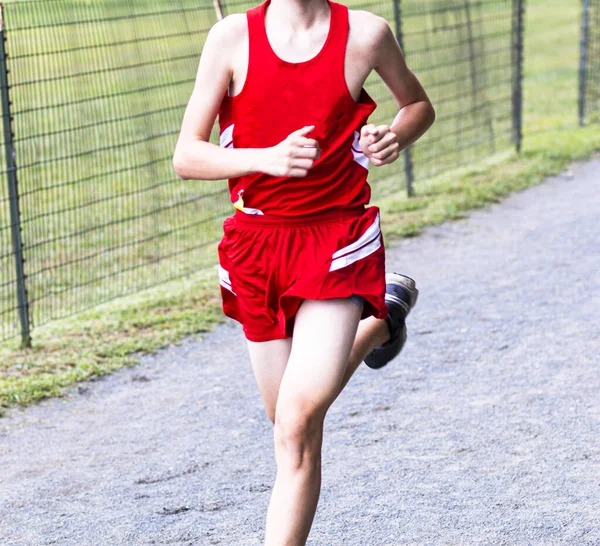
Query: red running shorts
x: 269, y: 264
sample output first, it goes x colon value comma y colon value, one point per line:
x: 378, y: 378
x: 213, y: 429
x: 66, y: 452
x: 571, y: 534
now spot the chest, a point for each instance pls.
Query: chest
x: 357, y: 64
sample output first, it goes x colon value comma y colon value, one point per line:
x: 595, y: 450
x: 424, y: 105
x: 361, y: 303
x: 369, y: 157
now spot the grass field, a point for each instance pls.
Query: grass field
x: 104, y: 214
x: 97, y: 107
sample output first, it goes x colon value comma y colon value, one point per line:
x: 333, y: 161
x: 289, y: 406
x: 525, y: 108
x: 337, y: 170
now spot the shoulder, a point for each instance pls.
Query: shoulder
x: 370, y: 38
x: 369, y: 30
x: 225, y: 42
x: 229, y: 32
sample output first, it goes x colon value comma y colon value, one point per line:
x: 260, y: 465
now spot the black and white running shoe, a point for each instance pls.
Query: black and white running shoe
x: 400, y: 297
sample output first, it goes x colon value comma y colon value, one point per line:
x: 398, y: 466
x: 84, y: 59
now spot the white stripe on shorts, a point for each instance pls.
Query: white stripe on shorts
x: 368, y: 243
x: 224, y: 279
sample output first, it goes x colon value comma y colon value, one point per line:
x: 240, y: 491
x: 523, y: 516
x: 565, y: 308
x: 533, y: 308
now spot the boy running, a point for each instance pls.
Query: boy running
x: 302, y: 264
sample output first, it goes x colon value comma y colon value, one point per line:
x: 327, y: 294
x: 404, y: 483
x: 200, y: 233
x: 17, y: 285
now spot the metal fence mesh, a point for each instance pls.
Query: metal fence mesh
x: 590, y: 98
x: 9, y: 324
x: 98, y: 91
x: 461, y: 51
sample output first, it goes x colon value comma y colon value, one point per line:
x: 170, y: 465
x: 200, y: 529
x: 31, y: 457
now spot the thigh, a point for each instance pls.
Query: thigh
x: 269, y: 360
x: 324, y: 332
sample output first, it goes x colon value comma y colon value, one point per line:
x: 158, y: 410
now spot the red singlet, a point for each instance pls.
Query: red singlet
x: 296, y: 239
x: 279, y: 98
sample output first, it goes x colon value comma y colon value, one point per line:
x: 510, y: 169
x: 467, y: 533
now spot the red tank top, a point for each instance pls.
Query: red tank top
x: 279, y: 98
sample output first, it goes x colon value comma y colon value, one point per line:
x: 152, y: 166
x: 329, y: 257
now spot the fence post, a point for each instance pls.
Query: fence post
x: 585, y: 31
x: 518, y: 8
x: 218, y: 9
x: 408, y: 162
x: 13, y: 193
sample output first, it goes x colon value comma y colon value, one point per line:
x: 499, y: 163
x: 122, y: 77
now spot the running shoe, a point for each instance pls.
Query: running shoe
x: 400, y: 297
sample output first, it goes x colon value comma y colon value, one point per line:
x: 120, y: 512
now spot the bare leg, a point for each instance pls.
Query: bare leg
x: 323, y: 337
x: 269, y: 362
x: 269, y: 359
x: 371, y: 333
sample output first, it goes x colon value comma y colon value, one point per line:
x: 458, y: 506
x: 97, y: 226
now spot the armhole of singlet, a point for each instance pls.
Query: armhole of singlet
x: 250, y: 21
x: 344, y: 22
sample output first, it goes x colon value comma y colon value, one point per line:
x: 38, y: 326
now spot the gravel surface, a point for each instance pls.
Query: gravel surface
x: 486, y: 430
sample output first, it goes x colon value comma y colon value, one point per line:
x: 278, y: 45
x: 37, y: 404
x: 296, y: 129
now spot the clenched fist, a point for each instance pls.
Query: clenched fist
x: 379, y: 144
x: 293, y: 157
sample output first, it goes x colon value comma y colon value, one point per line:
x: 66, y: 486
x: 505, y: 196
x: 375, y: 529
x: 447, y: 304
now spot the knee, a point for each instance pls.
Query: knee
x: 298, y: 432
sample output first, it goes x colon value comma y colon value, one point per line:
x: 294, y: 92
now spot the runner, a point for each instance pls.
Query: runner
x: 302, y: 263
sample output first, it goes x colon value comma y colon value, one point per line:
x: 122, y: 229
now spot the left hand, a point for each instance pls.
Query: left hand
x: 379, y: 144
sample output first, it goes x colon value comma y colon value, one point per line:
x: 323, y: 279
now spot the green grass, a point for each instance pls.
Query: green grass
x: 108, y: 338
x: 113, y: 335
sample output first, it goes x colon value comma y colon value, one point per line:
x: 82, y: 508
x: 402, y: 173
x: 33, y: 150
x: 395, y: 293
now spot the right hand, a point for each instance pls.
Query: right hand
x: 293, y: 157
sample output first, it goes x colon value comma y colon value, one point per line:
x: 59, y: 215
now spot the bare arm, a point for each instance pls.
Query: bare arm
x: 383, y: 144
x: 198, y: 159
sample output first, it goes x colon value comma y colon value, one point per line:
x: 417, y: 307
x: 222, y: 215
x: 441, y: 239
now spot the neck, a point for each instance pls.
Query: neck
x: 298, y: 14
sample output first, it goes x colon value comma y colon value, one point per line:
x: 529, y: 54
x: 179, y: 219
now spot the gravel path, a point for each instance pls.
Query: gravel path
x: 485, y: 431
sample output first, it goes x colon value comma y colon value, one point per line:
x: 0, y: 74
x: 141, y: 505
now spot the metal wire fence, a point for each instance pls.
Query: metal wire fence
x: 98, y: 90
x: 93, y: 94
x: 589, y: 72
x: 467, y: 55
